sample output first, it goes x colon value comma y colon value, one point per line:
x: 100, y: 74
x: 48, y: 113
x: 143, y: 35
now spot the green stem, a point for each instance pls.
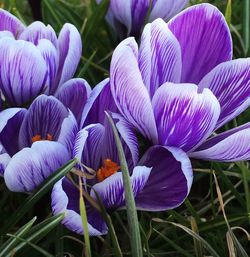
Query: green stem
x: 134, y: 228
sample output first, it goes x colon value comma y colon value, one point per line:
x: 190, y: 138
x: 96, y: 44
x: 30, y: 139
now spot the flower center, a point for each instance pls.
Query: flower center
x: 109, y: 168
x: 39, y: 138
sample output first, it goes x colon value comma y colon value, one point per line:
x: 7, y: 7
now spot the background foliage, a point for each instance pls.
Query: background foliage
x: 213, y: 221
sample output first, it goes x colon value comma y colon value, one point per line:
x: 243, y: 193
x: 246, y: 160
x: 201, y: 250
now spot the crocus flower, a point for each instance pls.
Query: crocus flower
x: 128, y: 17
x: 33, y: 60
x: 182, y: 85
x: 35, y: 142
x: 161, y: 180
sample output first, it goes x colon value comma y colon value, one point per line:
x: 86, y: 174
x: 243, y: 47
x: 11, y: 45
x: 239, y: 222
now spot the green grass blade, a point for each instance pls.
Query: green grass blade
x: 246, y: 24
x: 84, y: 222
x: 228, y: 13
x: 135, y: 238
x: 41, y: 191
x: 9, y: 246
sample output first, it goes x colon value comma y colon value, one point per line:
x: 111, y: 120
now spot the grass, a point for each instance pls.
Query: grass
x: 213, y: 221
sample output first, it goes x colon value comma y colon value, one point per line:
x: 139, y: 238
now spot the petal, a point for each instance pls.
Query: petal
x: 166, y: 9
x: 230, y: 146
x: 22, y: 71
x: 37, y: 31
x: 170, y: 179
x: 31, y: 166
x: 10, y: 23
x: 129, y: 139
x: 65, y: 199
x: 139, y: 12
x: 6, y: 34
x: 122, y: 11
x: 70, y: 48
x: 111, y: 190
x: 4, y: 160
x: 50, y: 55
x: 184, y: 117
x: 44, y: 117
x: 205, y: 40
x: 230, y: 83
x: 159, y: 56
x: 10, y: 123
x: 74, y: 94
x: 68, y: 132
x: 126, y: 83
x: 88, y: 146
x: 100, y: 100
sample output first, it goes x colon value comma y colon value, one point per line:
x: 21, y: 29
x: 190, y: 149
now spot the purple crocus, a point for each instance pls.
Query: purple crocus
x: 182, y: 85
x: 161, y: 179
x: 33, y: 60
x: 35, y: 142
x: 128, y: 17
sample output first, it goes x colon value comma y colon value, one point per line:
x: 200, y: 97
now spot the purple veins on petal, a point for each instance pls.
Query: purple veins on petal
x: 23, y: 71
x: 31, y: 166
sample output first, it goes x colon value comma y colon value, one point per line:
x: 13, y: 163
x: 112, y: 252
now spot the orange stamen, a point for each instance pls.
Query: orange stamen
x: 109, y: 168
x: 39, y: 138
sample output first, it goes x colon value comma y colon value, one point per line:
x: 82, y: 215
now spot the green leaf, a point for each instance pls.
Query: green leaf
x: 135, y: 238
x: 228, y: 13
x: 39, y: 231
x: 38, y: 194
x: 10, y: 244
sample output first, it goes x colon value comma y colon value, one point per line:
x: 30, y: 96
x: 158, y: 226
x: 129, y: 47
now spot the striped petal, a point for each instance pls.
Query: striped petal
x: 184, y: 117
x: 42, y: 121
x: 169, y: 182
x: 111, y: 190
x: 159, y: 56
x: 23, y: 71
x: 129, y: 91
x: 205, y: 40
x: 230, y: 83
x: 10, y: 23
x: 31, y: 166
x: 70, y: 49
x: 74, y: 95
x: 65, y: 199
x: 37, y: 31
x: 230, y: 146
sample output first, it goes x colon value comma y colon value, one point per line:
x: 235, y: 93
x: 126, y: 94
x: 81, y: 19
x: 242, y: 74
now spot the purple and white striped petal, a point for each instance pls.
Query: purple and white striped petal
x: 74, y: 94
x: 51, y: 57
x: 37, y: 31
x: 205, y: 40
x: 166, y: 9
x: 184, y: 117
x: 23, y: 71
x: 65, y: 199
x: 43, y: 119
x: 111, y: 190
x: 10, y: 123
x: 68, y: 132
x: 230, y: 146
x: 10, y: 23
x: 70, y: 49
x: 100, y: 100
x: 129, y: 91
x: 6, y: 34
x: 170, y: 179
x: 88, y: 146
x: 31, y: 166
x: 159, y: 56
x: 230, y: 83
